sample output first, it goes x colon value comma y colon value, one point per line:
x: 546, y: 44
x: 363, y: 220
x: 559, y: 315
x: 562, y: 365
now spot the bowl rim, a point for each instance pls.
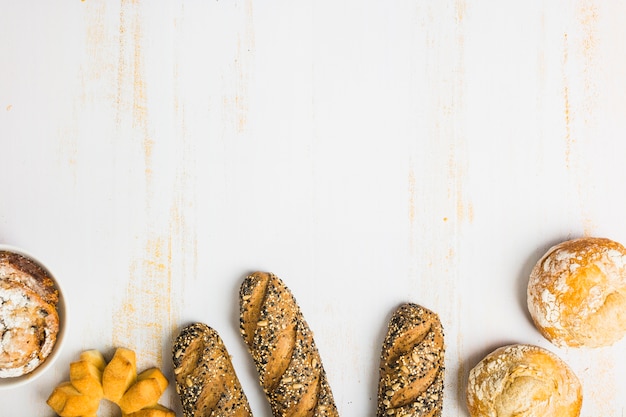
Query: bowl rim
x: 14, y: 382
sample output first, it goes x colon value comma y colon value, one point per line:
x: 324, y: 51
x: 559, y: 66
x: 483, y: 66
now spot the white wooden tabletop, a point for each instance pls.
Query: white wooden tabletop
x: 366, y: 152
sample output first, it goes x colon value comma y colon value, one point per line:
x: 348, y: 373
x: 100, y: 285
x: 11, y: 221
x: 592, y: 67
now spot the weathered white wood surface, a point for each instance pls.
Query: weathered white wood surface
x: 367, y: 152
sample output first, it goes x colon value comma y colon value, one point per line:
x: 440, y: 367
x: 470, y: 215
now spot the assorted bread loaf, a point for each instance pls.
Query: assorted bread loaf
x: 412, y: 364
x: 92, y: 379
x: 29, y: 320
x: 576, y: 297
x: 283, y: 349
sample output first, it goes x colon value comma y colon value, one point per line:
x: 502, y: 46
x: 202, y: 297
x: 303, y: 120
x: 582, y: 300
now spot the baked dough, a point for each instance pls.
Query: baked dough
x: 93, y: 379
x: 577, y: 293
x: 206, y: 381
x: 29, y: 321
x: 412, y: 364
x: 281, y: 343
x: 523, y: 381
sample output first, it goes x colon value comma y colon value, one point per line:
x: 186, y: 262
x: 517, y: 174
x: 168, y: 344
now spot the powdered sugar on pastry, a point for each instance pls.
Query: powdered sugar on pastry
x: 28, y: 327
x: 29, y: 320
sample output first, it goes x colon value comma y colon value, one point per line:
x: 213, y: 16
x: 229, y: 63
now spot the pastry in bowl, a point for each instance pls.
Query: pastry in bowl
x: 30, y: 322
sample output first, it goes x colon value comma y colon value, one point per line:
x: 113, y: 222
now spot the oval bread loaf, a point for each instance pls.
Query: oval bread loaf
x: 205, y: 378
x: 412, y: 364
x: 282, y: 346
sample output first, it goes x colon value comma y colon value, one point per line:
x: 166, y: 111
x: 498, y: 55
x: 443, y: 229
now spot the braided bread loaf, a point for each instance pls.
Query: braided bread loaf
x: 205, y: 378
x: 412, y: 364
x: 282, y: 346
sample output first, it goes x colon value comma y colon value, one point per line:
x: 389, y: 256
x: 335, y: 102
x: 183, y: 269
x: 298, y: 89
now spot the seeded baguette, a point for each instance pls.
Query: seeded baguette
x: 283, y: 349
x: 412, y: 364
x: 204, y: 375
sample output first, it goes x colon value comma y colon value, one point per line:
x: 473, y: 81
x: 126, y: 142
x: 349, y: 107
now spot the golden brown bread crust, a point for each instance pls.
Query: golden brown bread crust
x: 92, y: 379
x: 577, y: 293
x: 523, y: 381
x: 119, y: 374
x: 284, y: 351
x: 205, y: 378
x: 412, y: 364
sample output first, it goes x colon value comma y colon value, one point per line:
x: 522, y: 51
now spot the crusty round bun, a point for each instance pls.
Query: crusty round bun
x: 577, y: 293
x: 523, y: 381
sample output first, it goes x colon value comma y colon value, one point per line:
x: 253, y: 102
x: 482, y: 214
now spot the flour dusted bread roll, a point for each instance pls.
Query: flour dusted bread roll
x: 282, y: 346
x: 577, y: 293
x: 205, y: 378
x: 523, y: 381
x: 412, y: 364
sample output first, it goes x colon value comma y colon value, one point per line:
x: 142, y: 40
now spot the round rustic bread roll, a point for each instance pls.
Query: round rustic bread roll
x: 523, y: 381
x: 577, y: 293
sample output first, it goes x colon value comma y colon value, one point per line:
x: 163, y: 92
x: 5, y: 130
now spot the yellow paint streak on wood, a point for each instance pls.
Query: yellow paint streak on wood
x: 237, y: 105
x: 588, y: 20
x: 142, y: 321
x: 411, y: 199
x: 580, y: 97
x: 458, y: 168
x: 566, y: 103
x: 461, y: 9
x: 131, y: 79
x: 96, y: 38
